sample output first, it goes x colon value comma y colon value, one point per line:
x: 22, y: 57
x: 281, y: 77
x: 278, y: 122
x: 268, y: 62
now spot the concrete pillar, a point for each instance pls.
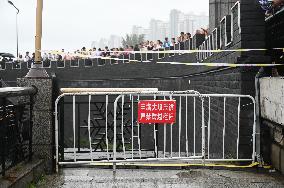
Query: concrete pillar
x: 42, y: 115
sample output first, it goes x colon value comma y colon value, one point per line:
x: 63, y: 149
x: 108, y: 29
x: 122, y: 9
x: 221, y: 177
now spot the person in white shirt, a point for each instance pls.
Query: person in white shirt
x: 50, y: 56
x: 63, y: 54
x: 45, y: 57
x: 157, y: 45
x: 27, y: 57
x: 94, y: 53
x: 21, y: 58
x: 99, y: 52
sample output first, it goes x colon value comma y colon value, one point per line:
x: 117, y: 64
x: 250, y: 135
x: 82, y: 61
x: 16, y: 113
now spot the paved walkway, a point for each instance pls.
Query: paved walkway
x: 129, y: 178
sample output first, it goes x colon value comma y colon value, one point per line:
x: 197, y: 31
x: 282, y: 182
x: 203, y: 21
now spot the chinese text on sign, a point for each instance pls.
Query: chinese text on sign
x: 157, y: 111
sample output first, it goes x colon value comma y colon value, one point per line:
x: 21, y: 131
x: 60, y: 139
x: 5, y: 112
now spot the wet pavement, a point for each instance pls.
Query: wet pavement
x: 132, y: 178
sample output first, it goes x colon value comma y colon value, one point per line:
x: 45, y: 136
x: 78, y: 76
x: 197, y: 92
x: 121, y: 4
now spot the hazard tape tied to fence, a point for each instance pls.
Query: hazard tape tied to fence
x: 222, y: 64
x: 160, y: 51
x: 85, y: 55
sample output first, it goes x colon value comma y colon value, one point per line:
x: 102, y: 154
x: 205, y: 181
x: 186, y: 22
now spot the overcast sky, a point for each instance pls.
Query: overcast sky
x: 71, y: 24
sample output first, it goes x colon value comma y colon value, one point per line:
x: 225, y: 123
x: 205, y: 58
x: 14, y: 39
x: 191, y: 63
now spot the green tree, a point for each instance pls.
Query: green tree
x: 132, y: 40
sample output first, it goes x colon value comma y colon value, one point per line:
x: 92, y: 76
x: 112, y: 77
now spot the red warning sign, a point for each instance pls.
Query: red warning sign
x: 157, y: 111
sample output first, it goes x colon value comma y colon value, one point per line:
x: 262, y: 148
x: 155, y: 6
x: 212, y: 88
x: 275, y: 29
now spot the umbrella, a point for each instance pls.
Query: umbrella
x: 7, y: 55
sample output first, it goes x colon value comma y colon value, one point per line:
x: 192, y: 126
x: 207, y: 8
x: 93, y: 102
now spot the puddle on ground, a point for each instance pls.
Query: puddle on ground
x: 190, y: 174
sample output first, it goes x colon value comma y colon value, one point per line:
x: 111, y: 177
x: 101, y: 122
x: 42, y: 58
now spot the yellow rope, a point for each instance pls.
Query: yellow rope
x: 180, y: 165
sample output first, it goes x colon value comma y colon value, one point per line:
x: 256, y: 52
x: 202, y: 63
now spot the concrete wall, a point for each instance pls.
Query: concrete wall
x: 107, y: 70
x: 272, y: 113
x: 217, y: 10
x: 248, y: 32
x: 272, y: 99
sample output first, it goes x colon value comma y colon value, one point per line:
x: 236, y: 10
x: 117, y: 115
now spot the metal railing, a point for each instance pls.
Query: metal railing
x: 16, y: 105
x: 209, y: 127
x: 89, y: 61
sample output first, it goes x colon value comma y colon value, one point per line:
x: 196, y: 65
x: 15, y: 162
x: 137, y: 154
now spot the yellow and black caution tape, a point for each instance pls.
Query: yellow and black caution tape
x: 84, y: 53
x: 252, y: 165
x: 222, y: 64
x: 87, y: 55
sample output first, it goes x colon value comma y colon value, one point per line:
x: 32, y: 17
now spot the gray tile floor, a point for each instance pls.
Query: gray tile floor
x: 132, y: 178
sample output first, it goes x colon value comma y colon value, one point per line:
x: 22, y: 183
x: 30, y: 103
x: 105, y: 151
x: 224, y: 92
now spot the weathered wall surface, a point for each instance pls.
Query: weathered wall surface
x: 217, y: 10
x: 246, y: 32
x: 272, y: 99
x: 272, y: 105
x: 43, y: 140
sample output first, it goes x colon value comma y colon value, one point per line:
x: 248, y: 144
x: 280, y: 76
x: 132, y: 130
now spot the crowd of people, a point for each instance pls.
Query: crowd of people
x: 269, y: 6
x: 113, y: 52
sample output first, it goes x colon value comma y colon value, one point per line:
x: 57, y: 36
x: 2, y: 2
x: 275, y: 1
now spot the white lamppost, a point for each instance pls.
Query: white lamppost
x: 17, y: 28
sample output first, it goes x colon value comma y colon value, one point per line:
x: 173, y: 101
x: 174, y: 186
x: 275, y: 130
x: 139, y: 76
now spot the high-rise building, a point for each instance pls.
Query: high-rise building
x: 114, y: 41
x: 154, y: 29
x: 193, y: 22
x: 147, y: 34
x: 102, y: 43
x: 158, y: 30
x: 138, y: 30
x: 174, y: 22
x: 179, y: 22
x: 189, y: 24
x: 164, y: 31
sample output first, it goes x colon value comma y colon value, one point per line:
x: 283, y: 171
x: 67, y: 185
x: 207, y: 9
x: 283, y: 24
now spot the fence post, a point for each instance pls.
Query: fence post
x: 3, y: 137
x: 61, y: 128
x: 156, y: 128
x: 203, y: 130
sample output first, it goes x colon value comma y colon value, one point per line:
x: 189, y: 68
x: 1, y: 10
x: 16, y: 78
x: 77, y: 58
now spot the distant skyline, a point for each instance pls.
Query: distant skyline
x: 177, y: 22
x: 72, y: 24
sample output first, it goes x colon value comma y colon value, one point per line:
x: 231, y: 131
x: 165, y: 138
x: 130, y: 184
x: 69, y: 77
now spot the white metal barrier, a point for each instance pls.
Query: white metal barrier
x: 196, y: 136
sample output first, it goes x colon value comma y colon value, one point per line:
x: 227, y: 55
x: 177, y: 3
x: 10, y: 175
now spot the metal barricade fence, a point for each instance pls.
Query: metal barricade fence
x: 16, y: 126
x: 208, y: 127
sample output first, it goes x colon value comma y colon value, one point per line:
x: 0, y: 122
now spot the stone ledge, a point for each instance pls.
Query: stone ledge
x: 276, y: 145
x: 276, y: 132
x: 21, y: 175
